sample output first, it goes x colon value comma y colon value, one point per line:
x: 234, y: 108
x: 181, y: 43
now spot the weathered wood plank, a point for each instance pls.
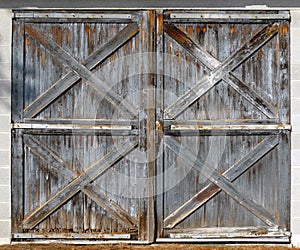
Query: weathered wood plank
x: 99, y: 85
x: 95, y: 122
x: 150, y: 125
x: 241, y: 122
x: 74, y: 236
x: 95, y: 170
x: 67, y: 81
x: 229, y: 17
x: 17, y: 102
x: 220, y: 181
x: 214, y: 77
x: 62, y: 167
x: 17, y: 181
x: 70, y: 126
x: 17, y: 144
x: 104, y: 132
x: 159, y: 96
x: 250, y: 94
x: 284, y: 173
x: 211, y: 190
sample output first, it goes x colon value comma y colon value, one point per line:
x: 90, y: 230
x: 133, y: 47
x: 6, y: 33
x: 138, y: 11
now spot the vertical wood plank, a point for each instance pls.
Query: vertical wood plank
x: 147, y: 223
x: 151, y: 117
x: 17, y: 180
x: 18, y: 69
x: 284, y: 196
x: 159, y: 98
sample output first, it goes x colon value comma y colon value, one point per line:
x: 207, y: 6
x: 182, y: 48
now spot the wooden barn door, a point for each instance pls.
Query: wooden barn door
x: 226, y: 117
x: 151, y: 125
x: 79, y: 122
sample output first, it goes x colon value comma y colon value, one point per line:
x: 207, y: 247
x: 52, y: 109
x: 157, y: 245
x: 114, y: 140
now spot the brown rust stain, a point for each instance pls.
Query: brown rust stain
x: 160, y: 22
x: 127, y: 46
x: 143, y: 34
x: 284, y: 29
x: 26, y: 41
x: 59, y: 36
x: 88, y: 31
x: 231, y: 29
x: 259, y: 54
x: 190, y: 30
x: 69, y: 36
x: 112, y: 57
x: 211, y: 190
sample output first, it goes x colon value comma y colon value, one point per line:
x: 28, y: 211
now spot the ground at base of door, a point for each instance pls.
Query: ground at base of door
x: 146, y: 247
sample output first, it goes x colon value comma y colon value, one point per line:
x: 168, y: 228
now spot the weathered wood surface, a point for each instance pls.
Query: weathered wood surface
x: 210, y: 43
x: 222, y: 182
x: 80, y: 99
x: 95, y: 82
x: 65, y: 169
x: 18, y: 69
x: 232, y: 173
x: 209, y: 61
x: 232, y: 62
x: 94, y: 171
x: 71, y: 78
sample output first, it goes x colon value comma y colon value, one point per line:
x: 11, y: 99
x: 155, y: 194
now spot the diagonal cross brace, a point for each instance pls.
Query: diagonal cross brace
x: 220, y: 181
x: 211, y: 190
x: 220, y: 71
x: 95, y: 82
x: 211, y: 62
x: 92, y: 172
x: 67, y: 81
x: 56, y: 162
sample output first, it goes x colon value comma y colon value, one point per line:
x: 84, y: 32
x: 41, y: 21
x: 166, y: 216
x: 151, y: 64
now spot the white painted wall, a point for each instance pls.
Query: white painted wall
x: 5, y: 80
x: 295, y: 116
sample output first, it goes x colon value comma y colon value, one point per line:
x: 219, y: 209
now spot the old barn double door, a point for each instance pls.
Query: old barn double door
x: 151, y: 125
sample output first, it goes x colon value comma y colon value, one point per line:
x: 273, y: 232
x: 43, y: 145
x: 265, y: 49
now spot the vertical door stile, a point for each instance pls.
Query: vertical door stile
x: 284, y: 117
x: 147, y: 124
x: 17, y: 116
x: 159, y: 122
x: 151, y: 117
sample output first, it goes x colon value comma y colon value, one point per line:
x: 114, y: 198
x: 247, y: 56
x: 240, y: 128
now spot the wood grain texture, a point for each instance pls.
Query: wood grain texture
x: 96, y: 169
x: 68, y: 80
x: 232, y: 62
x: 81, y: 89
x: 65, y: 169
x: 231, y: 174
x: 95, y: 82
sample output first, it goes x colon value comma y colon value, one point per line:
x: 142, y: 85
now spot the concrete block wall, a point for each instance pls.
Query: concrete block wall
x: 295, y: 117
x: 5, y: 85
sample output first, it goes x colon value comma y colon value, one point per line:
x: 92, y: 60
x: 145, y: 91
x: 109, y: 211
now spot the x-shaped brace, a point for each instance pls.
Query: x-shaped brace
x: 78, y: 181
x: 83, y: 71
x: 221, y: 71
x: 220, y: 182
